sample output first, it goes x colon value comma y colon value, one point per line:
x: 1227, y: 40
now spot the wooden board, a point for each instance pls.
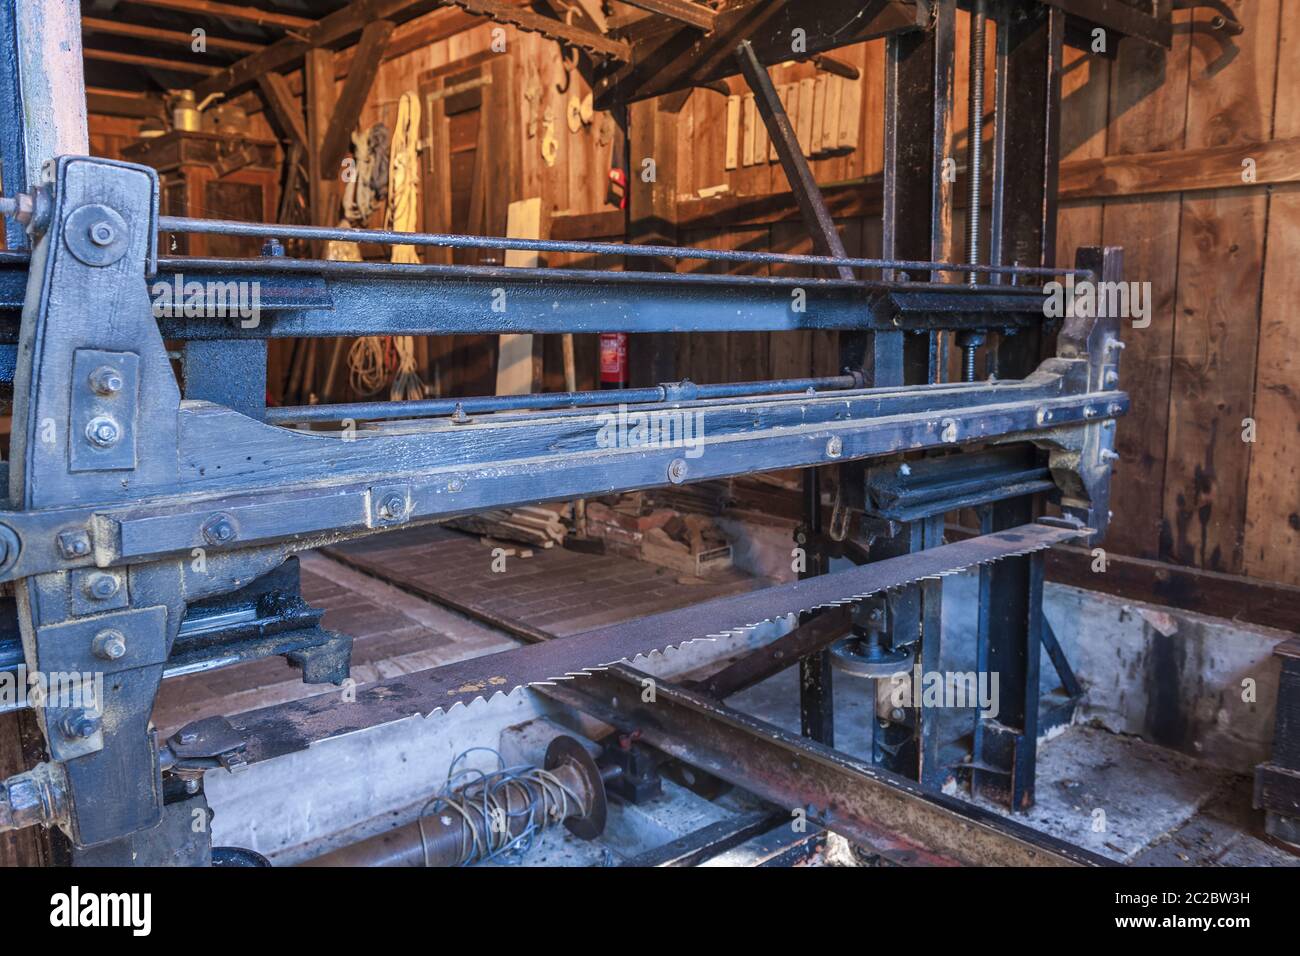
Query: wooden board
x: 515, y: 352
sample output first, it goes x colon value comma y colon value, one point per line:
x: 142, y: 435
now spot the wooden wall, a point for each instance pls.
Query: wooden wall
x: 1189, y: 491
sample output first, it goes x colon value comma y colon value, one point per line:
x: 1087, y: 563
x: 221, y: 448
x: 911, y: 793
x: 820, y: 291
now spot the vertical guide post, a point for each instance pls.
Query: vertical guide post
x: 1023, y: 231
x: 816, y: 699
x: 43, y: 90
x: 917, y: 224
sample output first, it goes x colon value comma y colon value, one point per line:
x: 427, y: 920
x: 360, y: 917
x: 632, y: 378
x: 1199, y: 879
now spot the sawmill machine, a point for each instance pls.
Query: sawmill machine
x: 156, y: 502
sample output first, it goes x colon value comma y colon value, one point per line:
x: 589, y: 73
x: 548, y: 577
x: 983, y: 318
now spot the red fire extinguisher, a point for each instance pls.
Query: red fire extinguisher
x: 613, y: 360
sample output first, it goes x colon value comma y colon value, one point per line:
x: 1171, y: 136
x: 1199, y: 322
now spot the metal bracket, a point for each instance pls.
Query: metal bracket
x: 105, y: 408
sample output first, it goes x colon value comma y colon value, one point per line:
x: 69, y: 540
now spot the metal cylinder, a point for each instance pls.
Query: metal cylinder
x: 447, y: 838
x: 975, y: 134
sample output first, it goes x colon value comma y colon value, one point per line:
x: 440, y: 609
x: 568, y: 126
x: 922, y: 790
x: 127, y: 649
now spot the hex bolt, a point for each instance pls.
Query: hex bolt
x: 80, y: 724
x: 101, y: 586
x: 102, y: 233
x: 103, y: 431
x: 218, y: 529
x: 106, y: 380
x: 272, y: 247
x: 393, y: 506
x: 109, y: 644
x: 834, y: 447
x: 1112, y: 378
x: 677, y: 471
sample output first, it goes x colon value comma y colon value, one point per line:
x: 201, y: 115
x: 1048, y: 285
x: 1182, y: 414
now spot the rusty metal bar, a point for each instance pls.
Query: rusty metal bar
x: 881, y: 811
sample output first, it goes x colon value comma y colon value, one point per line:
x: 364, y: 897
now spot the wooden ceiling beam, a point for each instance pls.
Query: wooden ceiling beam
x: 150, y: 62
x: 347, y: 108
x: 503, y: 11
x: 683, y: 11
x: 105, y: 102
x: 681, y: 57
x: 283, y: 107
x: 326, y: 32
x: 229, y: 11
x: 136, y: 31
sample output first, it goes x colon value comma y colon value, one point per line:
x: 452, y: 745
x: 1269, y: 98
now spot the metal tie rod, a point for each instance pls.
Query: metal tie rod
x: 255, y: 230
x: 685, y: 391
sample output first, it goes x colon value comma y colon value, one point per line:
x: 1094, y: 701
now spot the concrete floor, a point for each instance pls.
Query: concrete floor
x: 1113, y: 793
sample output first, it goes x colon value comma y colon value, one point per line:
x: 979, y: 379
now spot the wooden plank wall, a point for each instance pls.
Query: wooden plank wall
x: 1188, y: 490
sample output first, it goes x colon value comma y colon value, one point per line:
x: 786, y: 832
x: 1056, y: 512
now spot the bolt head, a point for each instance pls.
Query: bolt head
x: 106, y: 380
x: 109, y: 645
x: 74, y: 544
x: 80, y: 724
x: 393, y: 506
x: 218, y: 529
x: 102, y: 233
x: 677, y: 471
x: 103, y: 431
x: 102, y: 586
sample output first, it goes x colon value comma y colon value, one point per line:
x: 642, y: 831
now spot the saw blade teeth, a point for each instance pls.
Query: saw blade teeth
x: 740, y: 631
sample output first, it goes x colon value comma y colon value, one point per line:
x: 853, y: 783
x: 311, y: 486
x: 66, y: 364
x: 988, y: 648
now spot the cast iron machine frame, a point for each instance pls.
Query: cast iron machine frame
x: 136, y: 503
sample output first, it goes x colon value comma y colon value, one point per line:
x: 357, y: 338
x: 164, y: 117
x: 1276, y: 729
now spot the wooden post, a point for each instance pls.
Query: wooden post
x: 652, y: 219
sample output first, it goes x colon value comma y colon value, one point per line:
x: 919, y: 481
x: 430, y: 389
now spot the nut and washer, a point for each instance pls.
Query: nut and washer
x: 393, y: 506
x: 101, y: 586
x: 218, y: 529
x: 103, y: 431
x: 102, y: 233
x: 677, y: 471
x: 80, y: 724
x: 109, y: 645
x: 106, y: 380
